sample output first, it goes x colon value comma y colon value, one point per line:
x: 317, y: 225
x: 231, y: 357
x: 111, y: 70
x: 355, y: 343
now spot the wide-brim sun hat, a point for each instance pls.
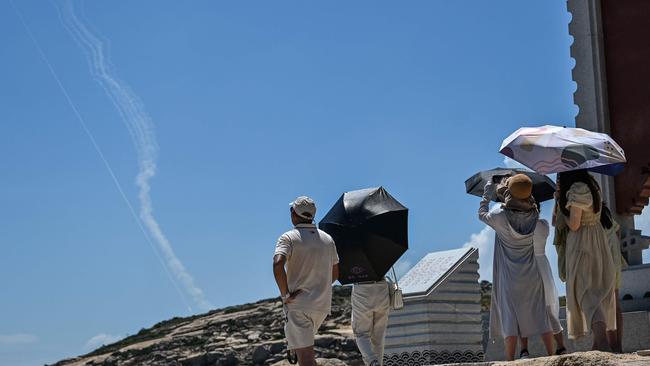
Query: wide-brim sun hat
x: 520, y: 186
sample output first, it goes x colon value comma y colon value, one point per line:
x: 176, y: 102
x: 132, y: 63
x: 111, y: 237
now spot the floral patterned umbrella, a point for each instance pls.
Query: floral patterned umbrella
x: 552, y: 149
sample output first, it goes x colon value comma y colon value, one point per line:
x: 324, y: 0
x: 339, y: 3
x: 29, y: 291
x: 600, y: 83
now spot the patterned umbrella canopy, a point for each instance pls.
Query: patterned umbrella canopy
x: 552, y: 149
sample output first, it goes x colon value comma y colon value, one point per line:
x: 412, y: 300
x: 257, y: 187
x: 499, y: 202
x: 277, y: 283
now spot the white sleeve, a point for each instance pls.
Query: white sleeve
x: 283, y: 246
x: 335, y: 254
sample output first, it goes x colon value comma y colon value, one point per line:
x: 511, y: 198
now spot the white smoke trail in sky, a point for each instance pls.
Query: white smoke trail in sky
x: 141, y: 130
x: 95, y: 145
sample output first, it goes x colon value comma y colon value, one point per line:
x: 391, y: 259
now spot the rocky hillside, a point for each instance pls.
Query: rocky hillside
x: 593, y: 358
x: 250, y: 334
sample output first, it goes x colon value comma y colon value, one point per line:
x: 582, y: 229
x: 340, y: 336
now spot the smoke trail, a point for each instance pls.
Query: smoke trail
x: 141, y: 130
x: 99, y: 151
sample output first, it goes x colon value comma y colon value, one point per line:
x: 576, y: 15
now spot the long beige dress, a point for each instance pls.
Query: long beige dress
x: 590, y: 269
x: 615, y: 247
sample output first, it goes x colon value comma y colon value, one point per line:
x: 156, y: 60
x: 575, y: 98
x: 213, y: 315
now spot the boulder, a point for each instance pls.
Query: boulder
x: 261, y: 354
x: 325, y: 341
x: 348, y: 345
x: 319, y: 362
x: 277, y: 347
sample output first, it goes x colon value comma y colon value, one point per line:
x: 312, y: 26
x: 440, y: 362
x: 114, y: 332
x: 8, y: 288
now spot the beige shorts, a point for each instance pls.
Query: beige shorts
x: 301, y: 326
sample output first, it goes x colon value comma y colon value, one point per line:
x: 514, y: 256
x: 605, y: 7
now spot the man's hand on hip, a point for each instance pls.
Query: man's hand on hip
x: 292, y: 297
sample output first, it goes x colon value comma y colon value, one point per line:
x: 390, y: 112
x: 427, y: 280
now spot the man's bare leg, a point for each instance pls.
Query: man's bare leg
x: 306, y: 356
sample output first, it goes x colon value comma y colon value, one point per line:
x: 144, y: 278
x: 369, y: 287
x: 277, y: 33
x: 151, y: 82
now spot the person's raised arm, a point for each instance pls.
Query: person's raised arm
x: 484, y: 206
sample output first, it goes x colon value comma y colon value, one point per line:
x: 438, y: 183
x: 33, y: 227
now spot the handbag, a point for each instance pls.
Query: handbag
x: 395, y: 293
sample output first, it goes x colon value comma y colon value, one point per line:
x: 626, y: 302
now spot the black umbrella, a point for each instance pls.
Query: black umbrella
x: 543, y: 186
x: 370, y: 229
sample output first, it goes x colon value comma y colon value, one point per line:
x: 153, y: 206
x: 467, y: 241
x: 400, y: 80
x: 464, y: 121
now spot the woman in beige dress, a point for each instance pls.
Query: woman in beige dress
x: 590, y: 269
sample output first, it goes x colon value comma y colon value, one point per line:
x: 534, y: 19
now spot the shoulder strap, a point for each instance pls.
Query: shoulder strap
x: 394, y: 275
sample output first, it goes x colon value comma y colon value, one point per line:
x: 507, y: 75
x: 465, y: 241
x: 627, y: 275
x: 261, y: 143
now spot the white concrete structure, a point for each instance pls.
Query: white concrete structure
x: 635, y: 290
x: 441, y: 318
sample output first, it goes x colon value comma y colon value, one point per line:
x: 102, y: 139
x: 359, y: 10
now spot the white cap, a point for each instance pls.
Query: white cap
x: 304, y: 207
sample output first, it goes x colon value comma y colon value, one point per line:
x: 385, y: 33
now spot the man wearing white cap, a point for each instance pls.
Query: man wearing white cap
x: 305, y: 265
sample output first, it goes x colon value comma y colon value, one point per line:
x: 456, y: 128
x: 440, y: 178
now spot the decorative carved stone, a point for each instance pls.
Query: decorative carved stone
x: 632, y: 245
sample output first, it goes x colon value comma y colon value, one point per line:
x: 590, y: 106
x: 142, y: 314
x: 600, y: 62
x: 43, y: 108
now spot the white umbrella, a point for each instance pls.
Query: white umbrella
x: 552, y: 149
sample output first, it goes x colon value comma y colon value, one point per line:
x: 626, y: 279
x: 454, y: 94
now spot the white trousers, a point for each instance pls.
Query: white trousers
x: 370, y: 306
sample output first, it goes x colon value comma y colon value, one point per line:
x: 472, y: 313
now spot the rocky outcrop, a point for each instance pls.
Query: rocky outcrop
x: 250, y: 334
x: 593, y: 358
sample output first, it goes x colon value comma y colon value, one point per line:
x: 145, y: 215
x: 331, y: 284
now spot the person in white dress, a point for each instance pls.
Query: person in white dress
x: 518, y: 306
x: 550, y: 290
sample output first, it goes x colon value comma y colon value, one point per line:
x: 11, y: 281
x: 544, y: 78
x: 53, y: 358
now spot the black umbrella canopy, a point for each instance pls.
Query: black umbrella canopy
x: 370, y: 229
x: 543, y: 186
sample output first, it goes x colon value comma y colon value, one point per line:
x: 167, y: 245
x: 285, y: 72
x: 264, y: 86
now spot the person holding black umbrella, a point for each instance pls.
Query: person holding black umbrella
x: 305, y: 265
x: 550, y: 291
x: 370, y: 307
x: 518, y: 307
x: 371, y: 231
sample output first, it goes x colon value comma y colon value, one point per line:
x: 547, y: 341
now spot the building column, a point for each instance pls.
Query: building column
x: 591, y: 98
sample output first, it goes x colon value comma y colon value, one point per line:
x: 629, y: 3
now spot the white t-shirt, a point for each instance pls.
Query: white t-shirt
x: 310, y: 254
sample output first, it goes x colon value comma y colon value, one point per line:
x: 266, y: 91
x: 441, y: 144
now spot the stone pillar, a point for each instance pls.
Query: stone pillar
x: 591, y: 93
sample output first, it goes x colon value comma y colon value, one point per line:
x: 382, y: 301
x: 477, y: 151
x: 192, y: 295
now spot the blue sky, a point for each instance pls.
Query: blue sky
x: 253, y: 104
